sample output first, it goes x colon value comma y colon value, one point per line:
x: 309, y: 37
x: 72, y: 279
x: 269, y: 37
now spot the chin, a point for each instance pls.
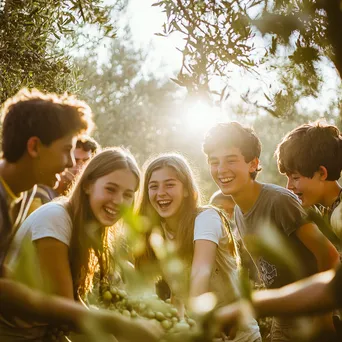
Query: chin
x: 227, y: 192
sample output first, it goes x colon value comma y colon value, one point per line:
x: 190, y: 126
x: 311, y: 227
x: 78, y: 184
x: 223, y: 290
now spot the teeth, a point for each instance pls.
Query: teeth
x: 111, y: 211
x: 225, y: 180
x: 164, y: 202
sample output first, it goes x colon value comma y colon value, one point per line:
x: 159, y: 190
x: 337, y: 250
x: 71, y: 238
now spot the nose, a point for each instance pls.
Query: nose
x: 222, y: 167
x: 118, y: 198
x: 70, y: 161
x: 160, y: 191
x: 290, y: 184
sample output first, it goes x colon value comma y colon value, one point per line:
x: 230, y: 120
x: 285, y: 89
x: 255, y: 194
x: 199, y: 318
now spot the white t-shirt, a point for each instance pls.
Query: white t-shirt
x: 50, y: 220
x: 225, y: 278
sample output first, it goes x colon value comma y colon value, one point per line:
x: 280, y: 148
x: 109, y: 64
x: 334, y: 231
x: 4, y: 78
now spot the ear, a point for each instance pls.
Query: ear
x: 254, y: 165
x: 323, y: 173
x: 32, y: 147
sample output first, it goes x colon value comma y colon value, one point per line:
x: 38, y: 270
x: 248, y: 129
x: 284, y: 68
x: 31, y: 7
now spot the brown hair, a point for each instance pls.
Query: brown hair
x: 49, y: 117
x: 85, y: 251
x: 310, y: 146
x: 87, y: 143
x: 233, y: 134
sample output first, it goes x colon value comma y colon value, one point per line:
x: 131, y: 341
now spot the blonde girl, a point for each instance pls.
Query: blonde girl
x: 170, y: 198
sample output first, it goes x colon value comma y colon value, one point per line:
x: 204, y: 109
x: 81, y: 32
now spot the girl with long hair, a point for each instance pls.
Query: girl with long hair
x: 72, y: 236
x: 170, y: 198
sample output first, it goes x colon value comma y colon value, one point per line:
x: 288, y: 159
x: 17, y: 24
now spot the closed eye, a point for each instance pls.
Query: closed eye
x: 128, y: 195
x: 213, y: 162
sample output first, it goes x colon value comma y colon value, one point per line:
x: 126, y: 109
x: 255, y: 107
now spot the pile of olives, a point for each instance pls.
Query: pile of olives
x: 148, y: 306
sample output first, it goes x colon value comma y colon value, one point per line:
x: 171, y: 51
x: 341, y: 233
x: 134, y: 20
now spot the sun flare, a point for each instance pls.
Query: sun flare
x: 201, y: 116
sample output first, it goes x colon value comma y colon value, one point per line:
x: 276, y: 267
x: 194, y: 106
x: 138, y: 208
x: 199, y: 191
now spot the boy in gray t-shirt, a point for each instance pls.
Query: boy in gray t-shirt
x: 233, y: 153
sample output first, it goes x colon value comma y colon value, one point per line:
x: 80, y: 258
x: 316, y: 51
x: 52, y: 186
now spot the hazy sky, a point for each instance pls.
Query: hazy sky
x: 145, y: 21
x: 164, y: 60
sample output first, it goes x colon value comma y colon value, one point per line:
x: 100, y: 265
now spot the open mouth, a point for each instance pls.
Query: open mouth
x: 111, y: 212
x: 226, y: 180
x: 164, y: 204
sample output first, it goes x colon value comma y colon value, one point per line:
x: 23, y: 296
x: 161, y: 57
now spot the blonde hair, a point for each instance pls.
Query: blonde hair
x: 190, y: 208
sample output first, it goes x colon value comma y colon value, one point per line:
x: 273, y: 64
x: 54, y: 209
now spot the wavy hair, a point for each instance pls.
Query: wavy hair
x: 190, y: 208
x: 88, y: 251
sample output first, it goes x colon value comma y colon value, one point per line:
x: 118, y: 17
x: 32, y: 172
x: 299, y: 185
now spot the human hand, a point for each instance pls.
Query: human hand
x: 129, y: 330
x: 141, y: 330
x: 230, y: 317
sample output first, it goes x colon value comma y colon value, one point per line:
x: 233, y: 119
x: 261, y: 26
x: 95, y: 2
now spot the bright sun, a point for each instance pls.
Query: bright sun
x: 200, y: 116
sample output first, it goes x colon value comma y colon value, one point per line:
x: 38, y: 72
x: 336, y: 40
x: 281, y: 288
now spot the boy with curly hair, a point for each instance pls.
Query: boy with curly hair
x: 39, y: 133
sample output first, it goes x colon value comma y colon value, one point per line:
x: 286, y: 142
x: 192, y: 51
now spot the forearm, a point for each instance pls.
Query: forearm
x: 328, y: 260
x: 27, y: 303
x: 312, y: 295
x: 199, y: 282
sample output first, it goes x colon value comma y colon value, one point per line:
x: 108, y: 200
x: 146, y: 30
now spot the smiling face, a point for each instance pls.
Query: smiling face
x: 230, y: 171
x: 308, y: 190
x: 166, y: 192
x: 109, y: 192
x: 53, y: 159
x: 68, y: 176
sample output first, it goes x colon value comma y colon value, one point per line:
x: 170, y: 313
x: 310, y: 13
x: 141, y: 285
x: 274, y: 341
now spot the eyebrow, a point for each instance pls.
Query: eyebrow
x: 225, y: 156
x: 166, y: 180
x: 114, y: 184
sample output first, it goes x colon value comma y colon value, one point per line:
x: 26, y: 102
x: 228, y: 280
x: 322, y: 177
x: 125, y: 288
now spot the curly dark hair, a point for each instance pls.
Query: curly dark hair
x: 30, y: 113
x: 87, y: 143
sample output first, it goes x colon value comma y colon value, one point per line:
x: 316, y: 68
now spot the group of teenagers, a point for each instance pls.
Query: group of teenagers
x: 61, y: 194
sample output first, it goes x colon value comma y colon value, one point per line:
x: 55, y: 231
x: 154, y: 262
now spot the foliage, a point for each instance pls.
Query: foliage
x: 222, y: 35
x: 31, y: 33
x: 216, y: 35
x: 131, y: 109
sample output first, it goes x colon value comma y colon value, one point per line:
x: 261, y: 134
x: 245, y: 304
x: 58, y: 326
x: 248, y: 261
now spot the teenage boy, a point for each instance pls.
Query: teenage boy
x: 233, y: 153
x: 311, y: 158
x: 39, y: 134
x: 86, y: 147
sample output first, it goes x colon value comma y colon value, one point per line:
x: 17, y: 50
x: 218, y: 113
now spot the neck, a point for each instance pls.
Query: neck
x: 331, y: 192
x: 172, y: 224
x: 16, y: 175
x: 247, y: 196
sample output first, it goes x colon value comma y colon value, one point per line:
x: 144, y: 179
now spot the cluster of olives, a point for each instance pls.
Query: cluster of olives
x: 150, y: 307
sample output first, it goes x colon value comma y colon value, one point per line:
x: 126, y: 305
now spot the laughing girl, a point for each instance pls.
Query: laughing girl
x: 201, y: 234
x: 72, y: 236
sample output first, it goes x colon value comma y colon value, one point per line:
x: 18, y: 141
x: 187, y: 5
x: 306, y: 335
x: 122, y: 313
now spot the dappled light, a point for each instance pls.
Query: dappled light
x: 170, y: 171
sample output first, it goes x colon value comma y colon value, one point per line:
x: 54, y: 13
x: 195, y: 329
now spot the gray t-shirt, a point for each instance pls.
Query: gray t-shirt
x: 274, y: 218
